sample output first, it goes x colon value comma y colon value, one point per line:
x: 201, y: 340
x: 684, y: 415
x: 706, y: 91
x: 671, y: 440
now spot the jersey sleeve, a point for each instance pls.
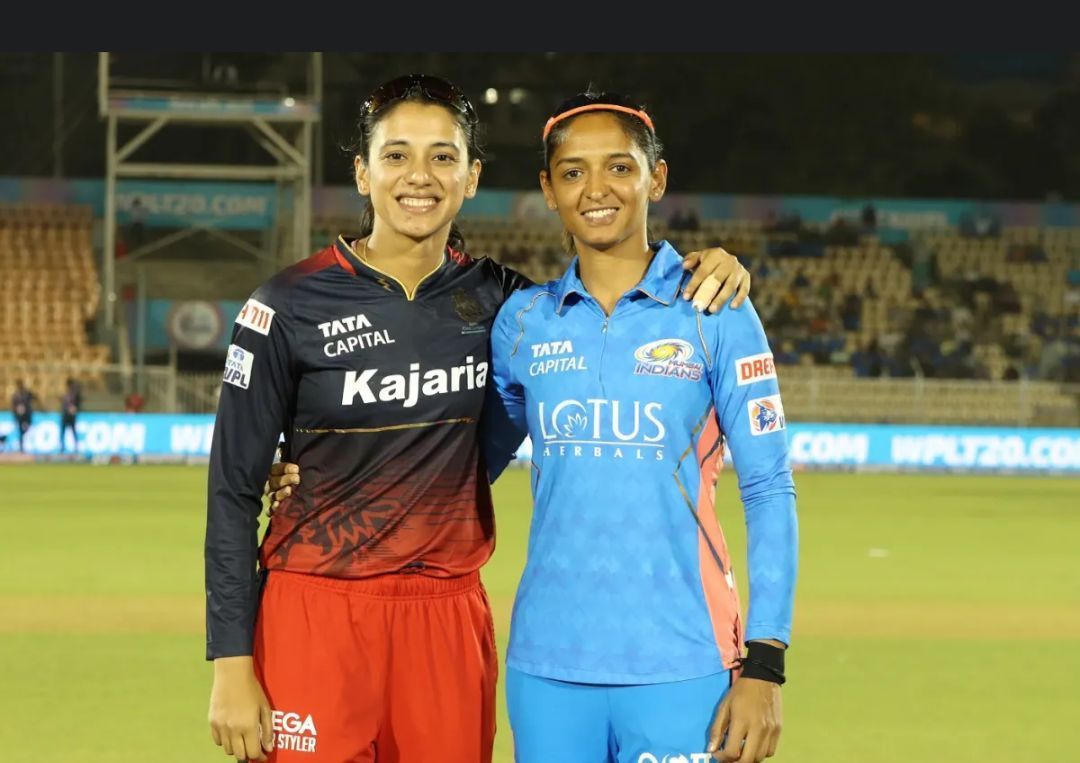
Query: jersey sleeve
x: 746, y: 393
x: 257, y: 391
x: 503, y: 426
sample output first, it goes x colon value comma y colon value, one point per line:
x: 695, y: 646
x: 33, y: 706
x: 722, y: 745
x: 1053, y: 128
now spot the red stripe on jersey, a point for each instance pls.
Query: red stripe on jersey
x: 459, y: 258
x: 321, y: 260
x: 341, y: 260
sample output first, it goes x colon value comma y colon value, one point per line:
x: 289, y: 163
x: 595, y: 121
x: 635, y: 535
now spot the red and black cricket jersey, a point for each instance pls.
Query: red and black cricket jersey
x: 378, y: 392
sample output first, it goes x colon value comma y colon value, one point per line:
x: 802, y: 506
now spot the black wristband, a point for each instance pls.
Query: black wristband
x: 764, y: 662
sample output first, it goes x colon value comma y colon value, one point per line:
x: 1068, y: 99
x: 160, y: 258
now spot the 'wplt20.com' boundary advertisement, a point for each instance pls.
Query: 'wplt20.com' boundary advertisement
x: 838, y: 446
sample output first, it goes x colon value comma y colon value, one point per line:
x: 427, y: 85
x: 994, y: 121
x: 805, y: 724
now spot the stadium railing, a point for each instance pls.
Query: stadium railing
x: 816, y: 394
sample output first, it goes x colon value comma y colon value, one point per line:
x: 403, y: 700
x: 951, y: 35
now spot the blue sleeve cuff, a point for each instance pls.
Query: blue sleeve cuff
x: 772, y: 538
x: 766, y: 632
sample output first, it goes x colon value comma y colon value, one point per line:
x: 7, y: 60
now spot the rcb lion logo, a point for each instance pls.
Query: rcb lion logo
x: 469, y: 310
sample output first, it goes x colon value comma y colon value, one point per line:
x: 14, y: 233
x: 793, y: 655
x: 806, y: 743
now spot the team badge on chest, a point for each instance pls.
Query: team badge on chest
x: 669, y: 358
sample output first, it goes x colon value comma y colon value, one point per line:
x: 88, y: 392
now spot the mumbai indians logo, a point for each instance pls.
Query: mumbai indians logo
x: 667, y: 357
x: 694, y: 757
x: 766, y: 415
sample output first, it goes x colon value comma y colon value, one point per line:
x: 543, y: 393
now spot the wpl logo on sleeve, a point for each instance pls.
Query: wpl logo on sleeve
x: 766, y: 415
x: 238, y: 367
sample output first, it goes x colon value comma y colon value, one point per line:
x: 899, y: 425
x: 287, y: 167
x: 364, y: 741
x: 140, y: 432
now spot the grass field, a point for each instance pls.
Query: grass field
x: 937, y: 617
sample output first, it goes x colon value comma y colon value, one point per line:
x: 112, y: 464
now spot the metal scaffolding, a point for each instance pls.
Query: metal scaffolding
x: 283, y: 127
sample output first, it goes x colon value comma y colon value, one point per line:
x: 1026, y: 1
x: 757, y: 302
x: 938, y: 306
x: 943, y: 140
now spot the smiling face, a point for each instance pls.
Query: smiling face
x: 417, y: 171
x: 599, y: 180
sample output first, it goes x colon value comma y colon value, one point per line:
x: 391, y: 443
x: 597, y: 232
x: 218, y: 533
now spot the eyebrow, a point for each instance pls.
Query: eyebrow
x: 437, y: 144
x: 608, y: 157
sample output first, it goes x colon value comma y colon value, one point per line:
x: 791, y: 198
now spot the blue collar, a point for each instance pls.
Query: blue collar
x: 661, y: 282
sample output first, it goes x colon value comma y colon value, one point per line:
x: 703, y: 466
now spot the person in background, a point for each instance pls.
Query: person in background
x: 134, y: 403
x: 22, y: 407
x: 70, y: 405
x: 138, y: 222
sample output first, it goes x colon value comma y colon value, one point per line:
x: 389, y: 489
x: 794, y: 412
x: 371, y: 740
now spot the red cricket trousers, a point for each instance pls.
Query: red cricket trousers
x: 398, y: 668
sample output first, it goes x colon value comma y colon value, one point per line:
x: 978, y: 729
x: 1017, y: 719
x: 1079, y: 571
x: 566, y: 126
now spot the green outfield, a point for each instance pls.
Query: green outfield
x: 937, y: 617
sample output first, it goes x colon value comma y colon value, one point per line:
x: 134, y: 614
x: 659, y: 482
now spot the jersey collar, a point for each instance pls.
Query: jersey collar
x: 349, y: 259
x: 661, y: 282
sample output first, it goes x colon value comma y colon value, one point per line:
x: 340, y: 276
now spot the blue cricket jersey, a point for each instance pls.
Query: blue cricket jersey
x: 628, y: 578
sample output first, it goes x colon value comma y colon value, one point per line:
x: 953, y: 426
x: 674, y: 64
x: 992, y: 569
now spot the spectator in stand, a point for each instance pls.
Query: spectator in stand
x: 784, y: 314
x: 867, y: 361
x: 819, y: 324
x: 1052, y: 360
x: 965, y: 355
x: 786, y: 355
x: 924, y: 351
x: 851, y: 312
x: 837, y: 348
x: 762, y: 266
x: 896, y: 358
x: 134, y: 403
x: 677, y: 221
x: 962, y: 321
x: 869, y: 219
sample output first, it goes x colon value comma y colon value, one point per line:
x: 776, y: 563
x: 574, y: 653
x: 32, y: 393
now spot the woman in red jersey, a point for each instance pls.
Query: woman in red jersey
x: 365, y: 634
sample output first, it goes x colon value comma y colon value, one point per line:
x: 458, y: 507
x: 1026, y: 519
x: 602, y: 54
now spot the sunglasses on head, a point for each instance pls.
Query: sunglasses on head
x: 434, y: 88
x: 583, y: 102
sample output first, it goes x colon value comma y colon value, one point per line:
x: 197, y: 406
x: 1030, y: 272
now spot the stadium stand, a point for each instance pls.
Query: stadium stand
x: 49, y: 294
x: 921, y: 314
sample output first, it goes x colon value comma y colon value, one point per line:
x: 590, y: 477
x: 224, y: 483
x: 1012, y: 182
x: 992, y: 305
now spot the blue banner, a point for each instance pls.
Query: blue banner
x: 843, y: 446
x: 165, y: 204
x: 253, y: 205
x: 178, y: 204
x: 134, y: 434
x: 216, y: 106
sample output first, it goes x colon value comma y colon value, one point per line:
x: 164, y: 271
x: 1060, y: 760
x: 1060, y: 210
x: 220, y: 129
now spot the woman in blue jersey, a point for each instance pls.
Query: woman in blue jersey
x: 627, y: 631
